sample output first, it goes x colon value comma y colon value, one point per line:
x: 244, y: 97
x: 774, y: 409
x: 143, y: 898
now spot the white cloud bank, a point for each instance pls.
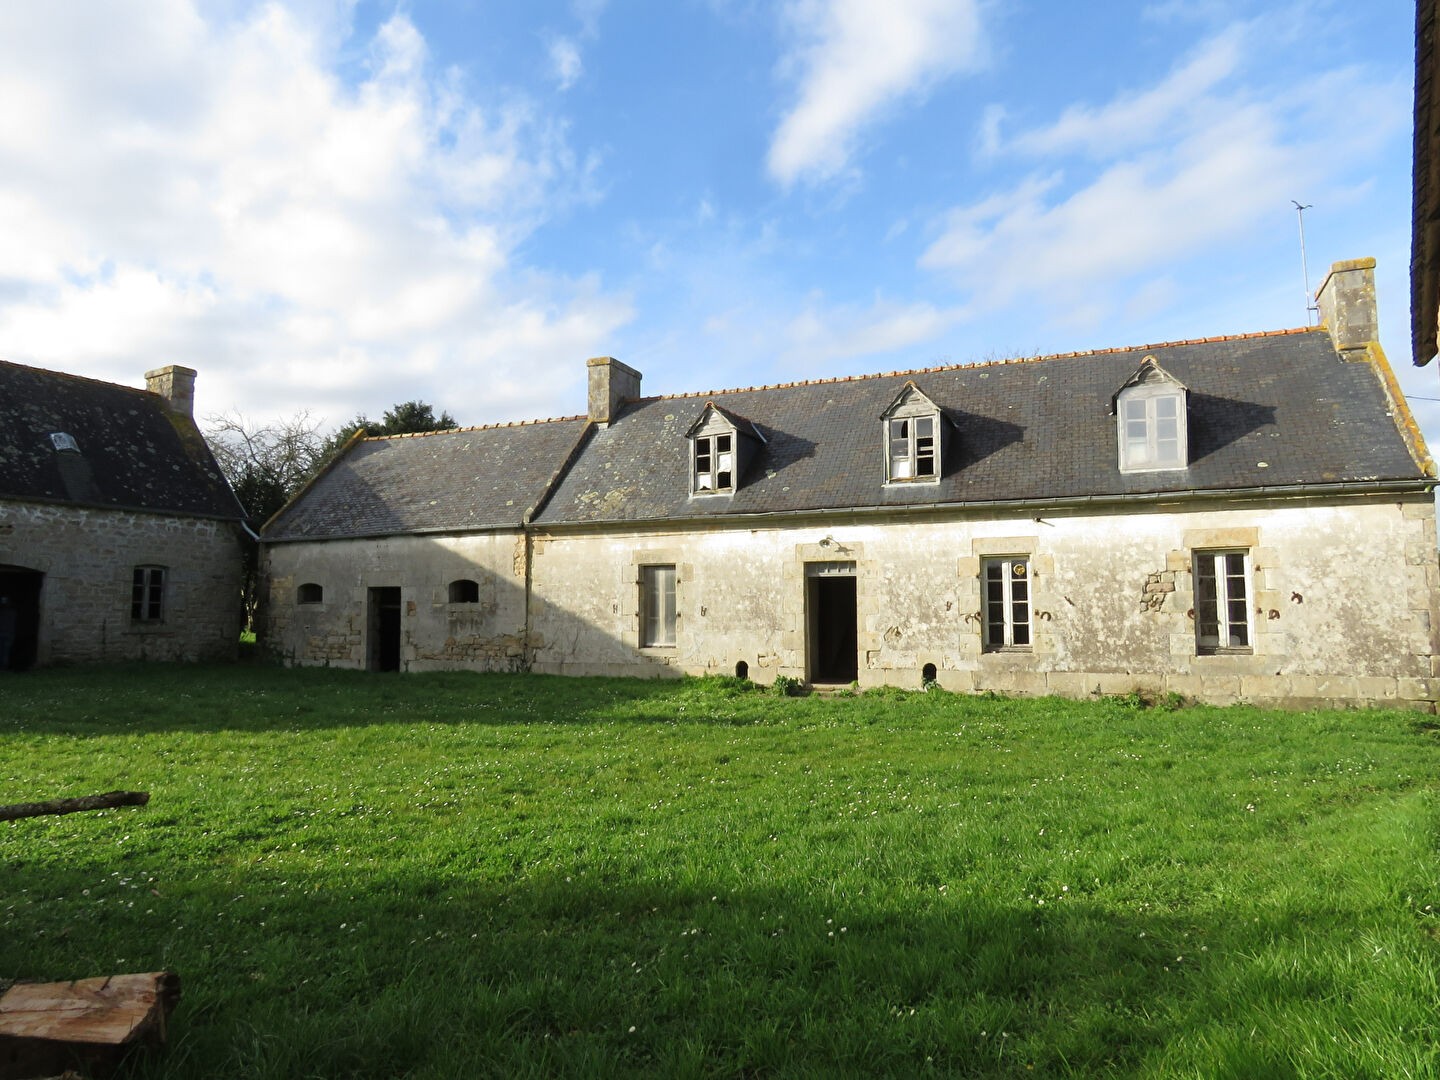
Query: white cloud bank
x: 854, y: 59
x: 181, y: 189
x: 1121, y: 192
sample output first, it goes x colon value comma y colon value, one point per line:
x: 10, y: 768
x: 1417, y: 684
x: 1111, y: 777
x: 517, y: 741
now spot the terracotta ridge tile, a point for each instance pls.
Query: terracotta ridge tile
x: 475, y: 427
x: 689, y: 394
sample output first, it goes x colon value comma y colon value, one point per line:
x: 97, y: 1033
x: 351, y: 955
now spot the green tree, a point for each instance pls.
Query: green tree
x: 404, y: 418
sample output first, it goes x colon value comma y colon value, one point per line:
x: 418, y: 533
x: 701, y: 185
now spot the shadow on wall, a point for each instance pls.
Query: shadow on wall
x: 427, y: 606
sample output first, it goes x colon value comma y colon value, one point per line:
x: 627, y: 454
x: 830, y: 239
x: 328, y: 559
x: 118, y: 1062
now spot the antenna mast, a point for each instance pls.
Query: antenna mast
x: 1304, y: 263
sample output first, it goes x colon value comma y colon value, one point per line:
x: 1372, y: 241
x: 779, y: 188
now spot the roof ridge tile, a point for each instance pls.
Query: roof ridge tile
x: 999, y: 362
x: 475, y: 427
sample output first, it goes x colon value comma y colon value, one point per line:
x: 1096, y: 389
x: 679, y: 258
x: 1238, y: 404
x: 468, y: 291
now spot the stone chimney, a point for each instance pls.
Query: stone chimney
x: 1347, y: 306
x: 176, y: 385
x: 611, y: 383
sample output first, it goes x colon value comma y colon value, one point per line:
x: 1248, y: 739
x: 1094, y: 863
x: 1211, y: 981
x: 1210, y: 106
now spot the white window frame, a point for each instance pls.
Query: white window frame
x: 712, y: 468
x: 1223, y: 622
x: 904, y: 456
x: 1006, y: 617
x: 148, y: 587
x: 1145, y: 443
x: 658, y: 613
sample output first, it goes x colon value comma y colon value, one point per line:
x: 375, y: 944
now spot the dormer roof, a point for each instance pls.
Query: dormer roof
x: 739, y: 424
x: 910, y: 398
x: 1149, y: 373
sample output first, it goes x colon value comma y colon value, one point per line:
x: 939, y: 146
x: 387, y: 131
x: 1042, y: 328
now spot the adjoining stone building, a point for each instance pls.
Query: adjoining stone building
x: 1233, y: 518
x: 119, y: 537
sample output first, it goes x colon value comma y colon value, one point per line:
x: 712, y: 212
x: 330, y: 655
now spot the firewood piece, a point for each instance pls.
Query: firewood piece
x: 70, y: 806
x: 88, y: 1023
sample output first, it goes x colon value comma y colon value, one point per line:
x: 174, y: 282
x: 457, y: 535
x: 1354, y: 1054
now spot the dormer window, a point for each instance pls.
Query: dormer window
x: 1151, y: 421
x: 714, y: 463
x: 64, y: 441
x: 722, y: 444
x: 912, y: 437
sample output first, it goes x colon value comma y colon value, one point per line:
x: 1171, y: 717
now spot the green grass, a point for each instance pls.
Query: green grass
x: 462, y: 875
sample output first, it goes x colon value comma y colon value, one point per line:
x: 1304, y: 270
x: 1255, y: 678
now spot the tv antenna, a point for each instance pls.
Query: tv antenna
x: 1310, y: 308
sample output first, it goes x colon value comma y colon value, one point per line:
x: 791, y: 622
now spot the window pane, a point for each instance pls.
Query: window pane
x: 657, y: 606
x: 722, y: 443
x: 924, y: 427
x: 1165, y: 408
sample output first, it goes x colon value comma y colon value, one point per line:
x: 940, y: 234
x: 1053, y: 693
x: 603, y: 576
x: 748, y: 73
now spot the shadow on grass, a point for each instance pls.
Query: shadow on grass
x: 552, y: 976
x: 152, y: 698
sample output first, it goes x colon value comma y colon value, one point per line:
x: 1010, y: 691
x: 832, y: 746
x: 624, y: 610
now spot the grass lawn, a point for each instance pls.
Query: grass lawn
x: 465, y: 875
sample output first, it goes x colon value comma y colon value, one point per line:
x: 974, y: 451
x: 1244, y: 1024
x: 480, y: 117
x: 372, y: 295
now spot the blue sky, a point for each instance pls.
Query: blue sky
x: 334, y: 207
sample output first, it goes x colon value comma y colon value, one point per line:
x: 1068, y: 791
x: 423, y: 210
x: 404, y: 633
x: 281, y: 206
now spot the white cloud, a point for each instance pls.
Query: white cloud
x: 823, y: 334
x: 855, y: 58
x: 566, y: 67
x: 1131, y: 188
x: 211, y: 191
x: 1135, y: 118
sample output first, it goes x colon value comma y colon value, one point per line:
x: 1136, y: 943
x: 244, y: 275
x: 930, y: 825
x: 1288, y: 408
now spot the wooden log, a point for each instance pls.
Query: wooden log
x: 71, y: 806
x: 88, y: 1024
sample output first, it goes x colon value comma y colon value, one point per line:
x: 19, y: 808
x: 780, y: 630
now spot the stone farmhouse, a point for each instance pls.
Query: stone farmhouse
x: 119, y: 537
x: 1237, y: 518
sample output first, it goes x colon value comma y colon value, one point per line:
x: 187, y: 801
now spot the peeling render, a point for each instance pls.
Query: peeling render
x: 1328, y: 626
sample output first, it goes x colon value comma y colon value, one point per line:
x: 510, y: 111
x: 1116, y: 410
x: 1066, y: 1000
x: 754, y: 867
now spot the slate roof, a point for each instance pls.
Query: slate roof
x: 449, y: 481
x: 1265, y: 411
x: 134, y: 452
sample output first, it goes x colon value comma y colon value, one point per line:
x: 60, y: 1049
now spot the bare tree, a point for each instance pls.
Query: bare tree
x: 265, y: 464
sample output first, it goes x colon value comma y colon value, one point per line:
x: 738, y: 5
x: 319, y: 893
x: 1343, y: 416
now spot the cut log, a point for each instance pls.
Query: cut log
x: 89, y: 1024
x: 71, y: 806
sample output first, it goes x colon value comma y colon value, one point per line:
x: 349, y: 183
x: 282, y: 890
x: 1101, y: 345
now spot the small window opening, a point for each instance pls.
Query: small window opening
x: 742, y: 670
x: 464, y: 591
x: 147, y: 594
x: 310, y: 593
x: 928, y: 673
x: 62, y: 440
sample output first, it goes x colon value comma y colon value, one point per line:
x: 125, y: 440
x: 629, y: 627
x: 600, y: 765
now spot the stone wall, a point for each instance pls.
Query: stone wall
x: 88, y: 557
x: 483, y: 634
x: 1341, y: 600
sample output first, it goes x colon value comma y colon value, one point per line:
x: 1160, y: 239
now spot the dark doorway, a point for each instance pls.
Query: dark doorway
x: 384, y: 626
x: 831, y: 614
x: 22, y: 588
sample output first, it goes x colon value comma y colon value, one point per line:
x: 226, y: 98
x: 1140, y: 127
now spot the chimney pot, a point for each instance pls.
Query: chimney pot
x: 1347, y: 306
x: 611, y: 384
x: 176, y: 385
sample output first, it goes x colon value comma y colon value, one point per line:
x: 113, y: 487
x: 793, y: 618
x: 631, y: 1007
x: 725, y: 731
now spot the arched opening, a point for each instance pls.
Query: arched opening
x: 742, y: 670
x: 464, y: 591
x: 310, y: 593
x: 928, y: 673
